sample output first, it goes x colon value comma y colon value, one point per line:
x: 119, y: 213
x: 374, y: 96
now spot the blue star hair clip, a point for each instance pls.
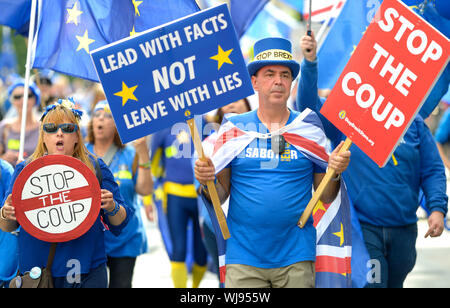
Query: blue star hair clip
x: 68, y: 103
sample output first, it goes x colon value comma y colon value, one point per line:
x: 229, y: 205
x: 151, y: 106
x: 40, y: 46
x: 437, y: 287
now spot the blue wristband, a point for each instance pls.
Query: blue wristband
x: 116, y: 209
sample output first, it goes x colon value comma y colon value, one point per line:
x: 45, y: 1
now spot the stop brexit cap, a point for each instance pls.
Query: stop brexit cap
x: 57, y: 198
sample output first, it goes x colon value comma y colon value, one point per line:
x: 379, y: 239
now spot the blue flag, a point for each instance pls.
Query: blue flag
x: 346, y: 33
x: 342, y: 39
x: 295, y: 4
x: 15, y: 14
x: 243, y: 13
x: 270, y: 22
x: 8, y: 61
x: 164, y: 10
x: 70, y: 29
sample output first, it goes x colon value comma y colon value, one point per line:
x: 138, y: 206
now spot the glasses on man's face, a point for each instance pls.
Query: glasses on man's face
x: 67, y: 128
x: 20, y: 96
x: 278, y: 144
x: 105, y: 114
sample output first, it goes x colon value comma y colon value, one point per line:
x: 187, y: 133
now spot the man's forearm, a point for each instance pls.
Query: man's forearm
x: 331, y: 191
x: 221, y: 192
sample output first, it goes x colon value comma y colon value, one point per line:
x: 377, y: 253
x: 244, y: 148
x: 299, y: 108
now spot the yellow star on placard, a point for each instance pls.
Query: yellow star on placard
x: 133, y: 32
x: 340, y: 234
x: 126, y: 93
x: 136, y: 4
x: 73, y: 14
x: 85, y: 41
x: 222, y: 57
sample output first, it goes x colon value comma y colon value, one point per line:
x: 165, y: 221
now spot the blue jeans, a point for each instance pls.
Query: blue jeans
x: 392, y: 252
x: 96, y: 278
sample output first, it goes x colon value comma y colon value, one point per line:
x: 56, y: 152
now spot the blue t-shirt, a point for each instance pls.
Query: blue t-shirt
x: 88, y: 250
x: 132, y: 241
x: 268, y: 195
x: 8, y: 241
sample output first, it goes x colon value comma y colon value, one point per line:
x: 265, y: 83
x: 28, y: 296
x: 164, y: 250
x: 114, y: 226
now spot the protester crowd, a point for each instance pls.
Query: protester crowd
x: 261, y: 254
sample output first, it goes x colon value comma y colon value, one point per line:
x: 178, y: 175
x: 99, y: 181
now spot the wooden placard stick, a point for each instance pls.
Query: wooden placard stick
x: 319, y: 191
x: 210, y: 184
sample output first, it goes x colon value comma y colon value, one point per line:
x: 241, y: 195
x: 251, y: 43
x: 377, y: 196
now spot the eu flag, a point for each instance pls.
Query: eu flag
x: 15, y: 14
x: 161, y: 12
x: 243, y: 13
x: 346, y: 33
x: 70, y: 29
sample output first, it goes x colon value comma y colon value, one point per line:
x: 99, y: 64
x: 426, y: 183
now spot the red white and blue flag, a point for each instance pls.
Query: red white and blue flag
x: 322, y: 10
x: 332, y: 222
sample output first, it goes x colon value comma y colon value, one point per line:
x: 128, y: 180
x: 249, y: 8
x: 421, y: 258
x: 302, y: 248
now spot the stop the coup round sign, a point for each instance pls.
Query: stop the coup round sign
x: 57, y: 198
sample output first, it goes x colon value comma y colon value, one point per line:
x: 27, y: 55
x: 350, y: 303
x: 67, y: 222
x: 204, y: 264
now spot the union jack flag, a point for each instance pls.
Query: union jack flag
x: 332, y: 221
x: 321, y: 10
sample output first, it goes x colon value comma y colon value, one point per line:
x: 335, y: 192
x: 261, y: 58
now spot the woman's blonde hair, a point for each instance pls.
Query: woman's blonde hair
x: 62, y: 114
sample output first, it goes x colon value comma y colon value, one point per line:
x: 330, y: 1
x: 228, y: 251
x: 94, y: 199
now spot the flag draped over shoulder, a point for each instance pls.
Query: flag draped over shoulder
x: 347, y: 31
x: 333, y: 223
x: 69, y: 30
x: 243, y: 12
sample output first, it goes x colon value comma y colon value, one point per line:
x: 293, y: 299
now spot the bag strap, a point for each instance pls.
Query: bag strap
x: 51, y: 256
x: 98, y: 172
x: 108, y: 157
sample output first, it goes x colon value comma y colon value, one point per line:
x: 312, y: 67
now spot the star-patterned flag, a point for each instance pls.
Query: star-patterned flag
x: 70, y: 29
x: 243, y: 13
x: 348, y: 30
x: 16, y: 14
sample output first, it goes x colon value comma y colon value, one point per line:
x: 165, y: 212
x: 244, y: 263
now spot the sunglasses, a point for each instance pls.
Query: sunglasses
x: 19, y: 96
x: 67, y: 128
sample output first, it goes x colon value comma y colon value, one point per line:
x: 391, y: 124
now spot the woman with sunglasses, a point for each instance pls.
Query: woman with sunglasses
x: 131, y: 168
x: 60, y: 134
x: 10, y: 127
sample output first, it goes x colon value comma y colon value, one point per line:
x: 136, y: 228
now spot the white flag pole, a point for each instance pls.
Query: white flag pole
x: 27, y: 79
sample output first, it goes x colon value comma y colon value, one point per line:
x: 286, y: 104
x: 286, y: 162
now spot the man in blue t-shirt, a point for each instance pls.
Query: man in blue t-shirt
x: 270, y: 183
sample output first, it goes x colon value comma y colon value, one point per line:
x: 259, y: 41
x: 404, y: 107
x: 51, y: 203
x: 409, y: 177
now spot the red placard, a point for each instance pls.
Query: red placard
x: 57, y: 198
x: 387, y: 79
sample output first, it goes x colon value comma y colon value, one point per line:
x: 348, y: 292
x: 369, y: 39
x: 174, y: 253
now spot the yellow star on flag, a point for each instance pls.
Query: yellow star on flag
x: 222, y: 57
x: 340, y: 234
x: 85, y: 41
x: 319, y: 206
x: 136, y: 4
x: 73, y: 14
x: 126, y: 93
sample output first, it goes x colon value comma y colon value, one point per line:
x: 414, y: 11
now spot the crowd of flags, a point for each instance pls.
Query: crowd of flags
x: 68, y: 30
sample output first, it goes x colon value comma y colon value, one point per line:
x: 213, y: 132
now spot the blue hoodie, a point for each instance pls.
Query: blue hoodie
x: 385, y: 196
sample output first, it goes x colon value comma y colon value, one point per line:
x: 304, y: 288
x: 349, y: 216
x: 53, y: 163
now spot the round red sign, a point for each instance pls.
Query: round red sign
x: 57, y: 198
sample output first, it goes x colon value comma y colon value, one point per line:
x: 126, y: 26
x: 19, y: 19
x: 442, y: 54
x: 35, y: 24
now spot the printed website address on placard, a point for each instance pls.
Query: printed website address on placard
x: 360, y: 131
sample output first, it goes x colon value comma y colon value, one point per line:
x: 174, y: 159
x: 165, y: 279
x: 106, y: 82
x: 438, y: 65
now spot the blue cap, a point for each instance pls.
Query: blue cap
x: 20, y: 82
x: 102, y: 105
x: 273, y: 51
